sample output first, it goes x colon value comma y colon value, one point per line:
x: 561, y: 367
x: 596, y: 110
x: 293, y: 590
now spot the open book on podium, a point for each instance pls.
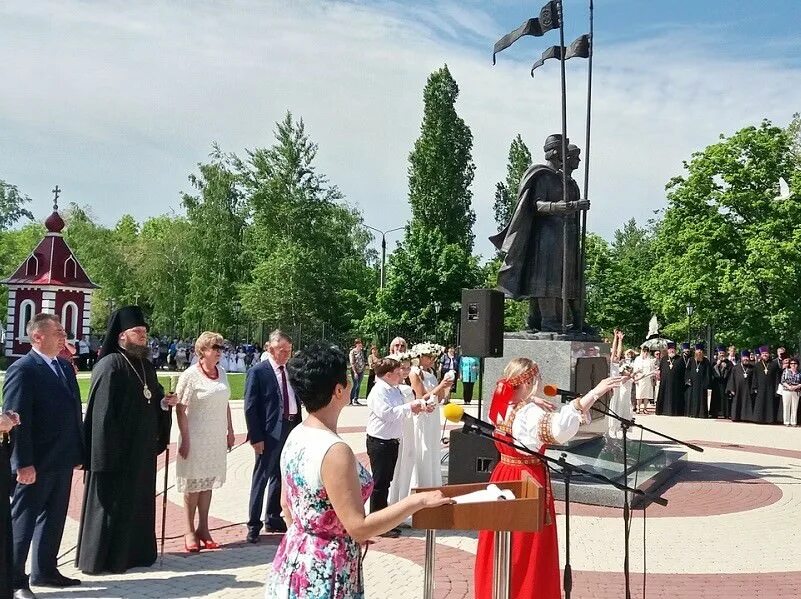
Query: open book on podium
x: 525, y: 513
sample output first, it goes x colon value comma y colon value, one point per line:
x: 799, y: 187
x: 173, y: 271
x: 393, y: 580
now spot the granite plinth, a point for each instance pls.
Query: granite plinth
x: 557, y: 360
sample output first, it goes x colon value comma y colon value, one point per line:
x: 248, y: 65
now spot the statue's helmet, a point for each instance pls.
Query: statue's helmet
x: 553, y: 146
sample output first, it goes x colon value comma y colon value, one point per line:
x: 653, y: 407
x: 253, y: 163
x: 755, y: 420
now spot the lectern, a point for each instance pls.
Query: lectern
x: 525, y: 513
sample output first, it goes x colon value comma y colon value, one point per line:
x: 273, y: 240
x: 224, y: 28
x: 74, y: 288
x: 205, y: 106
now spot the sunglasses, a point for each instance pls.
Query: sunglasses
x: 218, y: 347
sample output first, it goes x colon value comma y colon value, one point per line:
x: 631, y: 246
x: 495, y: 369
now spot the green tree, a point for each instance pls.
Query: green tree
x: 441, y: 167
x: 434, y: 261
x: 728, y: 245
x: 12, y: 205
x: 506, y: 191
x: 216, y: 217
x: 304, y: 236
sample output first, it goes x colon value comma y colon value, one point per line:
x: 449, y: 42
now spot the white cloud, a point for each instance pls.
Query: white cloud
x: 116, y: 102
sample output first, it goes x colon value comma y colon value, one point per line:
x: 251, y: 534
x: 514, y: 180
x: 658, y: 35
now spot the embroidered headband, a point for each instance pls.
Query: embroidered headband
x: 524, y: 377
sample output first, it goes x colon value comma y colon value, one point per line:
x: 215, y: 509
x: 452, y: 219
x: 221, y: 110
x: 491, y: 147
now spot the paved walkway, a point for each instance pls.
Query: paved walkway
x: 730, y: 530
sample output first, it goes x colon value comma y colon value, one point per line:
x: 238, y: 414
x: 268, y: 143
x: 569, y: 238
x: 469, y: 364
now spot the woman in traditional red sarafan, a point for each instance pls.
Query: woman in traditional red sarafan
x: 533, y: 422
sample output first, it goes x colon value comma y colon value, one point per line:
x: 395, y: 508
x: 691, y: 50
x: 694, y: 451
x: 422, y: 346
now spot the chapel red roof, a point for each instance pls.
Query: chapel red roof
x: 52, y: 262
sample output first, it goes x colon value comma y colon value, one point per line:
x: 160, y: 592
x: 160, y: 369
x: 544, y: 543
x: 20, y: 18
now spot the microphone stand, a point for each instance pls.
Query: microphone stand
x: 625, y: 424
x: 568, y: 470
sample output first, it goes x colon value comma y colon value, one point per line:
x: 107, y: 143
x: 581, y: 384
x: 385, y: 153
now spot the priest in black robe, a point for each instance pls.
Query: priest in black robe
x: 699, y: 380
x: 739, y: 389
x: 7, y: 422
x: 127, y: 425
x: 686, y: 358
x: 763, y: 385
x: 672, y: 383
x: 721, y: 371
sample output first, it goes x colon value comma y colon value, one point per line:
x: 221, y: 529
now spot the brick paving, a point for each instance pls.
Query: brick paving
x: 729, y: 531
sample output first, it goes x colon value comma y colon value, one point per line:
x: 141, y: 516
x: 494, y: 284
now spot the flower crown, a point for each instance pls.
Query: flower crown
x: 403, y: 356
x: 427, y: 349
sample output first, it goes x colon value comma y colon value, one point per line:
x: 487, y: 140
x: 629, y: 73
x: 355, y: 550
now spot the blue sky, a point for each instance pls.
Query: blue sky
x: 116, y: 101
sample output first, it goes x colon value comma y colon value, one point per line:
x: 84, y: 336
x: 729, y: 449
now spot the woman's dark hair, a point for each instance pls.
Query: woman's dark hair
x: 315, y: 372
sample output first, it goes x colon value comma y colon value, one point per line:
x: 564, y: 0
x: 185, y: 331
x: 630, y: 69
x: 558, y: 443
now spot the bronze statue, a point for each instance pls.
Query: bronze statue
x: 534, y: 240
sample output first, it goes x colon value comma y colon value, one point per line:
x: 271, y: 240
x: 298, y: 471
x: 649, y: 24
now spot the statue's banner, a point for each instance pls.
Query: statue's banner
x: 550, y: 18
x: 580, y: 47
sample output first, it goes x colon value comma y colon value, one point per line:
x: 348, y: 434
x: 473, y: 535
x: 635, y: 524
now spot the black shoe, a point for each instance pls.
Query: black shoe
x: 56, y: 580
x: 24, y: 594
x: 391, y: 534
x: 253, y: 536
x: 278, y: 526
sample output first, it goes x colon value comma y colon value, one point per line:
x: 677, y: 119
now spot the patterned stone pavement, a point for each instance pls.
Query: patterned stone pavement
x: 729, y: 531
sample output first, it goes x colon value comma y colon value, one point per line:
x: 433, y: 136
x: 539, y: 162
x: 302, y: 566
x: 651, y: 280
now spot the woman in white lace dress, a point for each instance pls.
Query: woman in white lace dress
x: 203, y: 419
x: 427, y: 471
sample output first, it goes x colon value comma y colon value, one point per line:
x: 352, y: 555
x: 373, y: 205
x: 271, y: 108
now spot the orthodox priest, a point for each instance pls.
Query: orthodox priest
x: 763, y: 386
x: 721, y: 371
x: 127, y: 425
x: 672, y: 382
x: 535, y: 238
x: 699, y: 380
x: 739, y: 389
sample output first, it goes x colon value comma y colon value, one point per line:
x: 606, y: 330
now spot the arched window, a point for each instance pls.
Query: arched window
x: 27, y: 309
x: 32, y: 266
x: 70, y: 269
x: 69, y: 319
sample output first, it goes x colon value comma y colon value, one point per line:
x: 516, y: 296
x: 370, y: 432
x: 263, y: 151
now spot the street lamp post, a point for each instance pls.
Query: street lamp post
x: 383, y: 250
x: 437, y: 308
x: 689, y: 316
x: 237, y: 310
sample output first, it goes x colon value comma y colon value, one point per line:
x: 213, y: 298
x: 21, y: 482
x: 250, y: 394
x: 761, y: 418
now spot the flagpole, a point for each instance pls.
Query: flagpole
x: 565, y: 245
x: 583, y: 260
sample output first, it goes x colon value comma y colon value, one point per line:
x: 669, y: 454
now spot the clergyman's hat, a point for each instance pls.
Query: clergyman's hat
x: 127, y: 317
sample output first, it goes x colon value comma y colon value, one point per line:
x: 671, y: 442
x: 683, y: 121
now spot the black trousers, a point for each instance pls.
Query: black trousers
x: 38, y: 513
x: 468, y: 391
x: 267, y: 477
x: 383, y: 455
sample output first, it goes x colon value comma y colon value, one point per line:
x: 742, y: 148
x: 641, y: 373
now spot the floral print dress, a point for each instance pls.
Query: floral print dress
x: 316, y: 559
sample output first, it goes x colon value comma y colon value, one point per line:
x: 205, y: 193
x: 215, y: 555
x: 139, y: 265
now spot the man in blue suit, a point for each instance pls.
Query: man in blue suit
x: 271, y: 412
x: 47, y: 446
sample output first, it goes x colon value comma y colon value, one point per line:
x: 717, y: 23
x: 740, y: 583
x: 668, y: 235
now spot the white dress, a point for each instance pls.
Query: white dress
x: 644, y: 370
x: 427, y: 471
x: 206, y: 404
x: 401, y: 485
x: 620, y: 404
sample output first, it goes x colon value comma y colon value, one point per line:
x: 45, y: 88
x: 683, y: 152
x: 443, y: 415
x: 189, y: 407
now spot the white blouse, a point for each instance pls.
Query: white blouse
x: 534, y: 427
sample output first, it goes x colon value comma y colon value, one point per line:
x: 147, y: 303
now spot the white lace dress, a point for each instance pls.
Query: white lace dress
x: 206, y: 404
x: 427, y: 471
x: 402, y: 478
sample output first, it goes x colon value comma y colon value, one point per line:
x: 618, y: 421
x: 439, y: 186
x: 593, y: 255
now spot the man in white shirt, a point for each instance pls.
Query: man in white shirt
x: 387, y: 412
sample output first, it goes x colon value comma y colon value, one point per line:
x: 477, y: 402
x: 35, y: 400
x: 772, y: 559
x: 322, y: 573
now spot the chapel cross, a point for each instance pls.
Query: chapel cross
x: 56, y: 193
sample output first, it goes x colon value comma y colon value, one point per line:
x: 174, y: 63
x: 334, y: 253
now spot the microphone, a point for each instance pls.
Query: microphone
x: 553, y: 391
x: 456, y: 413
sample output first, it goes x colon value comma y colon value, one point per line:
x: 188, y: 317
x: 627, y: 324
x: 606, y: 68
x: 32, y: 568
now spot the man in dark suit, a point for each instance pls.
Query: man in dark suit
x: 271, y: 412
x: 47, y: 446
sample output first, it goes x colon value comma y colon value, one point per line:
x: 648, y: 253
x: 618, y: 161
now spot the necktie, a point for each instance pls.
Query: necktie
x: 284, y: 391
x: 57, y: 369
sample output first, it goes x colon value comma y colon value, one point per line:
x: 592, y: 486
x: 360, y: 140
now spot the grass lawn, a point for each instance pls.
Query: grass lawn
x: 237, y: 382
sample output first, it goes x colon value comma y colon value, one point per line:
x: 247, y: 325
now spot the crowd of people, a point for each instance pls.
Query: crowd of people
x: 743, y: 386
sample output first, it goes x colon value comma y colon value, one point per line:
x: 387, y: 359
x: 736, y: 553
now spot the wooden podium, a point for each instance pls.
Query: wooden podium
x: 525, y: 513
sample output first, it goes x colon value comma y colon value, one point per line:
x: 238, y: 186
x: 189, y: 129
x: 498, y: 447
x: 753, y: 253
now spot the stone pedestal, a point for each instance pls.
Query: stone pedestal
x: 557, y: 360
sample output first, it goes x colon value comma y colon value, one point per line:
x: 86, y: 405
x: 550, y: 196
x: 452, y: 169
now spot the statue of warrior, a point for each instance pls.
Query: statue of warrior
x: 534, y: 240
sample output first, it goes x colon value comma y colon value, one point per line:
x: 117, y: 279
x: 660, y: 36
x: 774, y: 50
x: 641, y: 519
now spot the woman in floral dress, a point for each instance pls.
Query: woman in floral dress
x: 324, y: 491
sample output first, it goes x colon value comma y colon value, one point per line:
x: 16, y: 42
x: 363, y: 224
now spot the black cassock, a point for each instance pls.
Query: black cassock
x: 719, y: 406
x: 699, y: 377
x: 764, y: 381
x: 672, y: 383
x: 739, y: 389
x: 6, y: 587
x: 124, y: 434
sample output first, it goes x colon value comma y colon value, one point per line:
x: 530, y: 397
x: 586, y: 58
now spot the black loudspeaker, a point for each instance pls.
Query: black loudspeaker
x: 471, y: 458
x: 482, y: 323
